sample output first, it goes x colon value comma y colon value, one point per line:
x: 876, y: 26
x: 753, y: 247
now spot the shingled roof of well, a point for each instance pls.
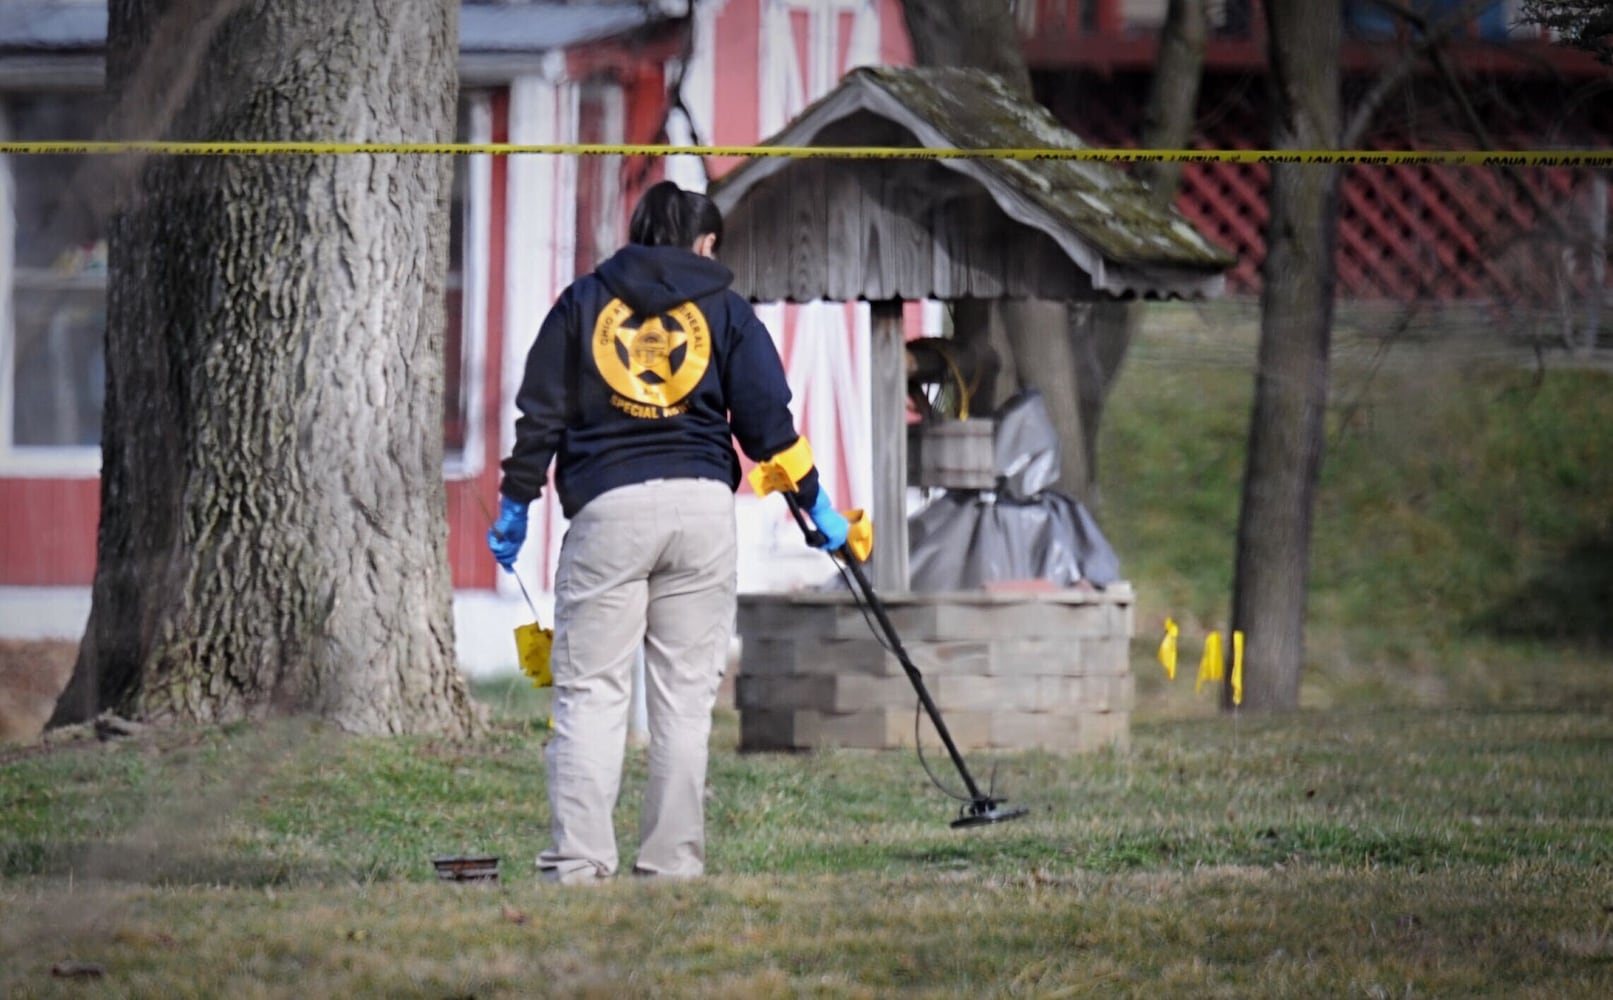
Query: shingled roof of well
x: 1103, y: 207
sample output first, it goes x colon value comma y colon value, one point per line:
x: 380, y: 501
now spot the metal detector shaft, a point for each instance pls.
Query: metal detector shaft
x: 878, y: 608
x: 816, y: 537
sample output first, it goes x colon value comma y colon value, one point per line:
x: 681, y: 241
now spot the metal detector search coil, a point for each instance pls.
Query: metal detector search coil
x: 980, y: 808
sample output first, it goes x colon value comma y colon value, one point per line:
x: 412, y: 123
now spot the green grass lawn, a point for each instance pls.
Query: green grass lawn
x: 1463, y: 528
x: 1345, y: 853
x: 1436, y: 821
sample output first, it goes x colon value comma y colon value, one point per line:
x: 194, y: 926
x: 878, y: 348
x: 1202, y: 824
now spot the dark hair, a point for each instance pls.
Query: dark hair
x: 668, y: 216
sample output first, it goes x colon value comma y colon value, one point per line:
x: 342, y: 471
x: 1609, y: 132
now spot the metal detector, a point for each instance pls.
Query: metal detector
x: 981, y: 808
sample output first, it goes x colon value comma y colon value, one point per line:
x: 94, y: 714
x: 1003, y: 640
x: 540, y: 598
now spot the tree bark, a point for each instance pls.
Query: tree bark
x: 273, y: 530
x: 1173, y: 95
x: 975, y: 33
x: 1286, y: 431
x: 1071, y: 351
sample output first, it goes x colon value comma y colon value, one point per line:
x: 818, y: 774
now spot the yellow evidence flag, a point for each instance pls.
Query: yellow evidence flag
x: 1237, y: 667
x: 1167, y: 649
x: 1211, y: 667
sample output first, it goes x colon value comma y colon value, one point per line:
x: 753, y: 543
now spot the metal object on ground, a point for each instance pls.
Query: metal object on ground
x: 466, y: 868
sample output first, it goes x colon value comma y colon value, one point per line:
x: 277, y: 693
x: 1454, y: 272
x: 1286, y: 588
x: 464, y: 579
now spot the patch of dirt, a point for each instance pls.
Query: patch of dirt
x: 32, y: 674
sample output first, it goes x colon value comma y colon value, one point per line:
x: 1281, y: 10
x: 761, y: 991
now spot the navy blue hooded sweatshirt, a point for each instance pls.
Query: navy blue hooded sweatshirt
x: 648, y: 368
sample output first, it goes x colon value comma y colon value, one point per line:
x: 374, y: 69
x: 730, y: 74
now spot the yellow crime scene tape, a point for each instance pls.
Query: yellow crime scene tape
x: 1340, y: 157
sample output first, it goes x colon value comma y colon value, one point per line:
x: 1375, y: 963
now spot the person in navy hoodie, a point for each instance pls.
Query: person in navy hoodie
x: 641, y: 378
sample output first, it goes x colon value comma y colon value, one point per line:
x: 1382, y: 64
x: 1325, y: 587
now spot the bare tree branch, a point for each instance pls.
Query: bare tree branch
x: 1430, y: 38
x: 1583, y: 24
x: 151, y: 93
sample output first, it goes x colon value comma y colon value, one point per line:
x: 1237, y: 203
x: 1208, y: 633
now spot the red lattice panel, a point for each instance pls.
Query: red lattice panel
x: 1405, y: 232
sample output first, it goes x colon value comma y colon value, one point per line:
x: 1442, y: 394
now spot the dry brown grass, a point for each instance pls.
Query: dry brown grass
x: 32, y: 675
x: 1430, y: 852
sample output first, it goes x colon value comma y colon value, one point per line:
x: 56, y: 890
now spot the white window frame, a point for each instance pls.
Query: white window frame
x: 84, y: 461
x: 25, y: 461
x: 473, y: 263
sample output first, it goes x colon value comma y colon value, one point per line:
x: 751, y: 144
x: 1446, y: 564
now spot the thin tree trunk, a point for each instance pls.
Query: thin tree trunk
x: 1035, y: 340
x: 1286, y: 432
x: 1071, y: 351
x: 1103, y: 336
x: 1596, y: 263
x: 273, y: 530
x: 1173, y: 96
x: 975, y: 33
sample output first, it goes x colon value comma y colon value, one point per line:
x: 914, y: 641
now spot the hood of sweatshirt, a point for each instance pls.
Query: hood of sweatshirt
x: 652, y: 280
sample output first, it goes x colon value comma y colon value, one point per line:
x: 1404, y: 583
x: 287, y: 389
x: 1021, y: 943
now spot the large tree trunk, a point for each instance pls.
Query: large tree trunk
x: 974, y: 33
x: 1286, y: 431
x: 273, y: 530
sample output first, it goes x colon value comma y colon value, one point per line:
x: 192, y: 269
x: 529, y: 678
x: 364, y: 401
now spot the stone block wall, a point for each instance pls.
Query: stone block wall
x: 1043, y: 670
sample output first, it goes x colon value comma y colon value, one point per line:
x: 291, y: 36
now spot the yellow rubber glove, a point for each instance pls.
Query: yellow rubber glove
x: 784, y: 471
x: 859, y: 534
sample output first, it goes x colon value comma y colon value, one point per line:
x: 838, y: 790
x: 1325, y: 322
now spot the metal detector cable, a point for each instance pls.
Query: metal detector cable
x: 918, y: 705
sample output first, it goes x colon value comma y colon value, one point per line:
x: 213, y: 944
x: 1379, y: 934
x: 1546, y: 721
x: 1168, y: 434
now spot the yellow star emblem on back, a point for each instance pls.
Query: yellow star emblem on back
x: 656, y: 363
x: 650, y: 349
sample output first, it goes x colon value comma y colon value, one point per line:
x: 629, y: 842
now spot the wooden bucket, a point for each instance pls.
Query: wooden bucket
x: 951, y: 454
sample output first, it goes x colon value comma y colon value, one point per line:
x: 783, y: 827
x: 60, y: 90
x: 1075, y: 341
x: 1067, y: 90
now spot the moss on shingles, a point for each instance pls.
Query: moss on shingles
x: 1102, y: 204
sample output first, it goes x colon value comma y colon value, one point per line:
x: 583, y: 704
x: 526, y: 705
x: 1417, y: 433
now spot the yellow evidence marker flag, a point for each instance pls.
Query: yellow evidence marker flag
x: 1167, y: 649
x: 1237, y: 667
x: 1210, y: 667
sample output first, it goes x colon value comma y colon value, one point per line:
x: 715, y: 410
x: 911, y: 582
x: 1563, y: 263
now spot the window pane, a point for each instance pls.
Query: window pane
x: 58, y: 279
x: 60, y: 368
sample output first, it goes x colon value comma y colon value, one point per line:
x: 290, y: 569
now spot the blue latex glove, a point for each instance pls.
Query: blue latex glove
x: 508, y: 532
x: 829, y: 521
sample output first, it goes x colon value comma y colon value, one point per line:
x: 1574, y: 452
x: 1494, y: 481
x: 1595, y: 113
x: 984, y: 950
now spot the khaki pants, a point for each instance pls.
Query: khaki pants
x: 652, y: 563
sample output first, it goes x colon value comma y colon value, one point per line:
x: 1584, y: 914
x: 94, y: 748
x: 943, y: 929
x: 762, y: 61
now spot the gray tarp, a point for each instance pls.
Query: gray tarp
x: 1022, y: 530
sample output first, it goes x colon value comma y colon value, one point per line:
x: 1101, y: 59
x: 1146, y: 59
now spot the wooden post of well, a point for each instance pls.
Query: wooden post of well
x: 888, y: 427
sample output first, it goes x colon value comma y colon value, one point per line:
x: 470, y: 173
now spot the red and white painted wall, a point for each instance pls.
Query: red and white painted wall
x: 754, y: 65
